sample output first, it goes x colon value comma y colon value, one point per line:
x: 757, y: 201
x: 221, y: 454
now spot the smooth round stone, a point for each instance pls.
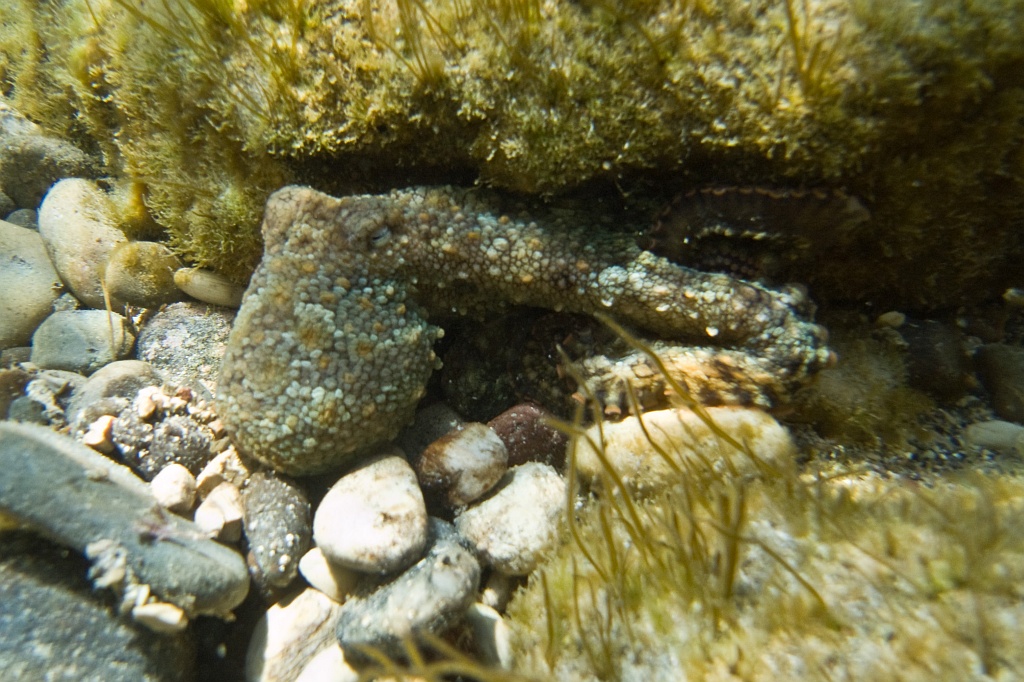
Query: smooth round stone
x: 109, y: 390
x: 514, y: 527
x: 185, y: 342
x: 637, y: 450
x: 55, y: 627
x: 528, y: 436
x: 374, y: 518
x: 30, y: 161
x: 81, y: 340
x: 209, y: 287
x: 334, y: 581
x: 462, y: 465
x: 430, y: 423
x: 24, y: 217
x: 290, y: 635
x: 430, y: 597
x: 142, y: 274
x: 277, y: 526
x: 29, y: 282
x: 174, y: 488
x: 996, y: 435
x: 77, y: 225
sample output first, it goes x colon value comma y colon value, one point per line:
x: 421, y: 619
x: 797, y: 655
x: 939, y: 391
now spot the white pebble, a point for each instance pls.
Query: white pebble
x: 463, y: 465
x: 290, y: 636
x: 160, y: 617
x: 374, y: 518
x: 174, y: 488
x: 492, y: 635
x: 334, y: 581
x: 220, y: 514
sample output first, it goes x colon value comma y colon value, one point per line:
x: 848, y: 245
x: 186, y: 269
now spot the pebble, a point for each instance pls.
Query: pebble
x: 687, y: 438
x: 429, y: 597
x: 290, y: 635
x: 31, y: 161
x: 1001, y: 370
x: 492, y: 636
x: 81, y: 340
x: 209, y: 287
x: 996, y: 435
x: 936, y: 361
x: 160, y: 617
x: 514, y: 527
x: 174, y: 488
x: 52, y: 391
x: 29, y: 282
x: 219, y: 516
x: 185, y: 342
x: 85, y: 501
x: 335, y: 581
x: 24, y: 217
x: 55, y: 627
x: 528, y: 436
x: 374, y: 518
x: 329, y: 666
x: 76, y: 223
x: 142, y: 274
x: 277, y: 526
x: 159, y: 429
x: 108, y: 391
x: 100, y: 435
x: 462, y: 465
x: 430, y: 423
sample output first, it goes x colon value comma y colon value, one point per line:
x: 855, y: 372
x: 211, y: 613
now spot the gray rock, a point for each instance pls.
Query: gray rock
x: 109, y: 391
x: 85, y: 501
x: 374, y: 518
x: 513, y: 528
x: 186, y: 341
x: 142, y: 274
x: 76, y: 222
x: 81, y: 340
x: 429, y: 597
x: 30, y: 161
x: 56, y: 628
x: 278, y: 528
x: 53, y: 390
x: 29, y: 282
x: 24, y: 217
x: 1001, y: 369
x: 462, y: 465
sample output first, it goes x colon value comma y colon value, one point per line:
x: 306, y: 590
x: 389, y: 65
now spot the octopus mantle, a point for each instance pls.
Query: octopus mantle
x: 332, y: 348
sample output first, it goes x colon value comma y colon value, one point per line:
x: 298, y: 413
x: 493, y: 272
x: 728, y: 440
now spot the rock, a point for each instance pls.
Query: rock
x: 290, y: 635
x: 225, y: 466
x: 219, y: 516
x: 76, y: 223
x: 87, y: 502
x: 429, y: 597
x: 109, y: 391
x: 528, y: 437
x: 30, y: 161
x: 277, y: 526
x: 1001, y: 370
x: 142, y: 274
x: 335, y: 581
x: 462, y: 465
x: 53, y: 390
x: 24, y: 217
x: 29, y: 282
x: 174, y: 488
x: 492, y: 636
x: 100, y: 435
x: 514, y: 527
x: 996, y: 435
x: 430, y: 423
x: 56, y: 628
x: 687, y: 439
x: 374, y: 518
x: 81, y: 340
x: 328, y: 666
x: 159, y: 429
x: 160, y: 617
x: 209, y: 287
x: 185, y: 341
x: 936, y: 361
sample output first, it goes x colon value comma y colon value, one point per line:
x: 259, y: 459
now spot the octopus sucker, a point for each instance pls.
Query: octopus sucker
x: 379, y: 267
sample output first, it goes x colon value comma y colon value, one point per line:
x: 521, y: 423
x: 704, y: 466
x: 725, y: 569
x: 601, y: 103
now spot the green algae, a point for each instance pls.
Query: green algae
x: 915, y: 107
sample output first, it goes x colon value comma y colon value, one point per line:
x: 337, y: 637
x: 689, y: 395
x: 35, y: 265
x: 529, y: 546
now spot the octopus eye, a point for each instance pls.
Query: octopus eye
x: 380, y: 237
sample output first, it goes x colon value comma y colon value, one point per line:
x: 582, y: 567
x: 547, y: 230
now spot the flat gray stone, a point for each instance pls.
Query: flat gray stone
x: 81, y: 340
x: 29, y: 282
x: 429, y: 597
x: 56, y: 628
x: 185, y: 342
x: 85, y: 501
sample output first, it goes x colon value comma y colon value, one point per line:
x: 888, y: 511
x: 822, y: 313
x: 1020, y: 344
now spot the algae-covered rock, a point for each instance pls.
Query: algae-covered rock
x: 914, y: 107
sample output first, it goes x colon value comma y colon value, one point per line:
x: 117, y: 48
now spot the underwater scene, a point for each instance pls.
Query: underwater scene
x: 510, y: 340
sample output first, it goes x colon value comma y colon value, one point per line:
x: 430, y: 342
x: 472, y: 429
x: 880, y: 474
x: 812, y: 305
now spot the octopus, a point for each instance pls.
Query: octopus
x: 333, y: 345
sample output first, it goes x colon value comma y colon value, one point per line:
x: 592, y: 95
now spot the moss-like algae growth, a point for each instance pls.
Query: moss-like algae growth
x: 915, y: 107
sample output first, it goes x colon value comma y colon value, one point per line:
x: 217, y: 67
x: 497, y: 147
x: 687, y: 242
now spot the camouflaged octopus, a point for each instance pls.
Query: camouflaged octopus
x: 332, y: 348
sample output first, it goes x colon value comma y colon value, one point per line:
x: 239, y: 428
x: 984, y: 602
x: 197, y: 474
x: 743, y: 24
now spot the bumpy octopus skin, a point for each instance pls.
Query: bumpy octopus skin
x: 331, y: 349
